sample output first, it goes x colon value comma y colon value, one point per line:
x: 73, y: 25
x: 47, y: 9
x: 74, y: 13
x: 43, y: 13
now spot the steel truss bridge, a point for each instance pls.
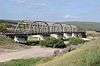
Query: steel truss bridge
x: 41, y: 27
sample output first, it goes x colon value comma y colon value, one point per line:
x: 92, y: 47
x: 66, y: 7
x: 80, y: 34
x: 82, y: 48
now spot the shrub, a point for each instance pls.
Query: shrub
x: 3, y: 27
x: 75, y: 41
x: 52, y: 42
x: 32, y: 43
x: 59, y: 44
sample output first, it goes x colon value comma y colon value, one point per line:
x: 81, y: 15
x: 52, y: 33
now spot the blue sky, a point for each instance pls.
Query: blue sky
x: 51, y: 10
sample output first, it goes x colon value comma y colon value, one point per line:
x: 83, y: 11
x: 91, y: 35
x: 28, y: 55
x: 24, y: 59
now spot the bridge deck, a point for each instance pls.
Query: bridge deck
x: 30, y: 33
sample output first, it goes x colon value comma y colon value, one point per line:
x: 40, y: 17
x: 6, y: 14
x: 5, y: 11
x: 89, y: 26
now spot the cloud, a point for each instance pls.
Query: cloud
x: 18, y: 1
x: 71, y: 17
x: 67, y: 16
x: 29, y: 2
x: 39, y: 4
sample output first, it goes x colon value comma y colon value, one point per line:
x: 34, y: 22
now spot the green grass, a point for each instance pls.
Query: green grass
x: 26, y: 62
x: 21, y: 62
x: 87, y: 55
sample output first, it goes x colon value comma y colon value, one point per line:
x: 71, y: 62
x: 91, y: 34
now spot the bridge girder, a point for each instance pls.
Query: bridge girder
x: 57, y: 27
x: 23, y: 26
x: 43, y: 27
x: 40, y: 27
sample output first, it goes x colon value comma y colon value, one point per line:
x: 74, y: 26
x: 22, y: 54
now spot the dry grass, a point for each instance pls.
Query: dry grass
x: 8, y: 43
x: 87, y: 55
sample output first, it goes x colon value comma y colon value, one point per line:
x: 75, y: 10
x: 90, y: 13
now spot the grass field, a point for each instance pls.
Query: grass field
x: 87, y: 55
x: 26, y: 62
x: 21, y: 62
x: 8, y: 43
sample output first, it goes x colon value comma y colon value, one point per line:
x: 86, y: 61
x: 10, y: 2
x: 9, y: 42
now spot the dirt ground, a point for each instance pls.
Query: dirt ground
x: 7, y: 55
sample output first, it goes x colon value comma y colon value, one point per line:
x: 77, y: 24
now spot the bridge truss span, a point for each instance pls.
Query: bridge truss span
x: 36, y: 27
x: 40, y: 27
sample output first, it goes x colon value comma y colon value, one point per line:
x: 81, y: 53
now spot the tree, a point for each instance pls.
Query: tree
x: 3, y: 27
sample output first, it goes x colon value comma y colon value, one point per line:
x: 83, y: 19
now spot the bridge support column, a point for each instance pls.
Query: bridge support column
x: 35, y: 38
x: 73, y: 35
x: 54, y: 35
x: 20, y: 39
x: 66, y: 36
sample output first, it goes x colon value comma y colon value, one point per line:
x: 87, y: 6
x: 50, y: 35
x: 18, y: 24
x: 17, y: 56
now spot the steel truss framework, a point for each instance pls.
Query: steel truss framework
x: 44, y: 27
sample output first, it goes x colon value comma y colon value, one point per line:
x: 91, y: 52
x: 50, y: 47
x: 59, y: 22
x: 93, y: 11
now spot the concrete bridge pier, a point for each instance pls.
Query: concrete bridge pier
x: 74, y: 35
x: 70, y: 35
x: 66, y: 36
x: 35, y: 38
x: 20, y: 39
x: 54, y: 36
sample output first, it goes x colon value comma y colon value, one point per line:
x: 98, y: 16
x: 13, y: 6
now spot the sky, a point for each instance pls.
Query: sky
x: 50, y: 10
